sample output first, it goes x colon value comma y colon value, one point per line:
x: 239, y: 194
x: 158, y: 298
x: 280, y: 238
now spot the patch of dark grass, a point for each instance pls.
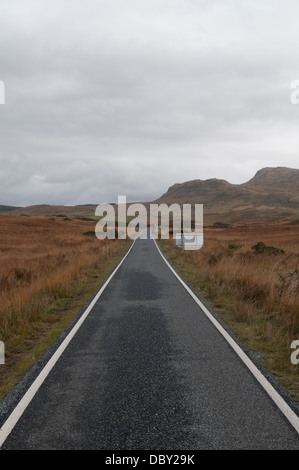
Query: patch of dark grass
x: 261, y: 247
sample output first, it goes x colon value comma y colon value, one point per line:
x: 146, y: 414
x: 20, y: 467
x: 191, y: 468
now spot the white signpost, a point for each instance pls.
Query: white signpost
x: 2, y: 358
x: 189, y: 241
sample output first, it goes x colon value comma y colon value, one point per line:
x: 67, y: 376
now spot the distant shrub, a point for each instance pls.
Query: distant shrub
x: 220, y: 225
x: 234, y: 246
x: 261, y: 247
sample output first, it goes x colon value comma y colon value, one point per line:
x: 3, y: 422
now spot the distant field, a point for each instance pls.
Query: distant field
x: 256, y: 291
x: 49, y: 267
x: 45, y: 210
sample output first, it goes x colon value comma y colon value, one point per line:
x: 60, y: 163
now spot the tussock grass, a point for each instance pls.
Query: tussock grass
x: 48, y: 270
x: 256, y: 291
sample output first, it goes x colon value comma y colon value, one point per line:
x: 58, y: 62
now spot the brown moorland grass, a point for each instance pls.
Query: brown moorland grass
x: 256, y: 294
x: 49, y: 268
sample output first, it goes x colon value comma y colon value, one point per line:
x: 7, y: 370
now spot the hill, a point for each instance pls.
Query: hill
x: 86, y: 210
x: 8, y: 208
x: 281, y: 179
x: 271, y: 195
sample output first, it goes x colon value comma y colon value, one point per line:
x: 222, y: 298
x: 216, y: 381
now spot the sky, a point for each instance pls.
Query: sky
x: 107, y: 98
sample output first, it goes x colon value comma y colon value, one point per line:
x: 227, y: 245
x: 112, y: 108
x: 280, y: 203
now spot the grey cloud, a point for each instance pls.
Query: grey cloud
x: 108, y: 98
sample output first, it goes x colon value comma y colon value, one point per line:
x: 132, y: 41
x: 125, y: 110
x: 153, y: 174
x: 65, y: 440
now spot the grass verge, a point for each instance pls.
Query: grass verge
x: 256, y: 294
x: 48, y: 275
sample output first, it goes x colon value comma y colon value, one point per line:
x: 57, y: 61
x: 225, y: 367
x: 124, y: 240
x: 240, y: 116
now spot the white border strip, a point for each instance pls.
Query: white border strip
x: 282, y: 405
x: 26, y: 399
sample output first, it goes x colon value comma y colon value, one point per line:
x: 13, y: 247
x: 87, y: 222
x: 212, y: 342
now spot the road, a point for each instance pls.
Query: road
x: 148, y: 370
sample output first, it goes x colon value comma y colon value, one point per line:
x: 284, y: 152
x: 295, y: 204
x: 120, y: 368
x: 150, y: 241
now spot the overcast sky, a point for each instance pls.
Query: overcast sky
x: 127, y: 97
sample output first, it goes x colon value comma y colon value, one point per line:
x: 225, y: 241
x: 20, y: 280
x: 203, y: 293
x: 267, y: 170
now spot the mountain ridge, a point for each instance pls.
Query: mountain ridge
x: 271, y: 195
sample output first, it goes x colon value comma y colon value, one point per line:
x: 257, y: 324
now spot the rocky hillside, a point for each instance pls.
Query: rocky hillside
x: 271, y: 195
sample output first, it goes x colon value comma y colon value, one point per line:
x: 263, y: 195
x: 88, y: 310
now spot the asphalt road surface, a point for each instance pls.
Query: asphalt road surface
x: 148, y: 370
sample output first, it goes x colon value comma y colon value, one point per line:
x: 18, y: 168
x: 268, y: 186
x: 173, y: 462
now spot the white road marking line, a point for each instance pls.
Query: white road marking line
x: 276, y: 397
x: 26, y: 399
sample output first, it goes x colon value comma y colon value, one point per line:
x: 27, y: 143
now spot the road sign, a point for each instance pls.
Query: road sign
x: 190, y: 241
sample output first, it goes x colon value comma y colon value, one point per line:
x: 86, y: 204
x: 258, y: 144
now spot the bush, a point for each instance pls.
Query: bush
x: 261, y: 247
x: 234, y: 246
